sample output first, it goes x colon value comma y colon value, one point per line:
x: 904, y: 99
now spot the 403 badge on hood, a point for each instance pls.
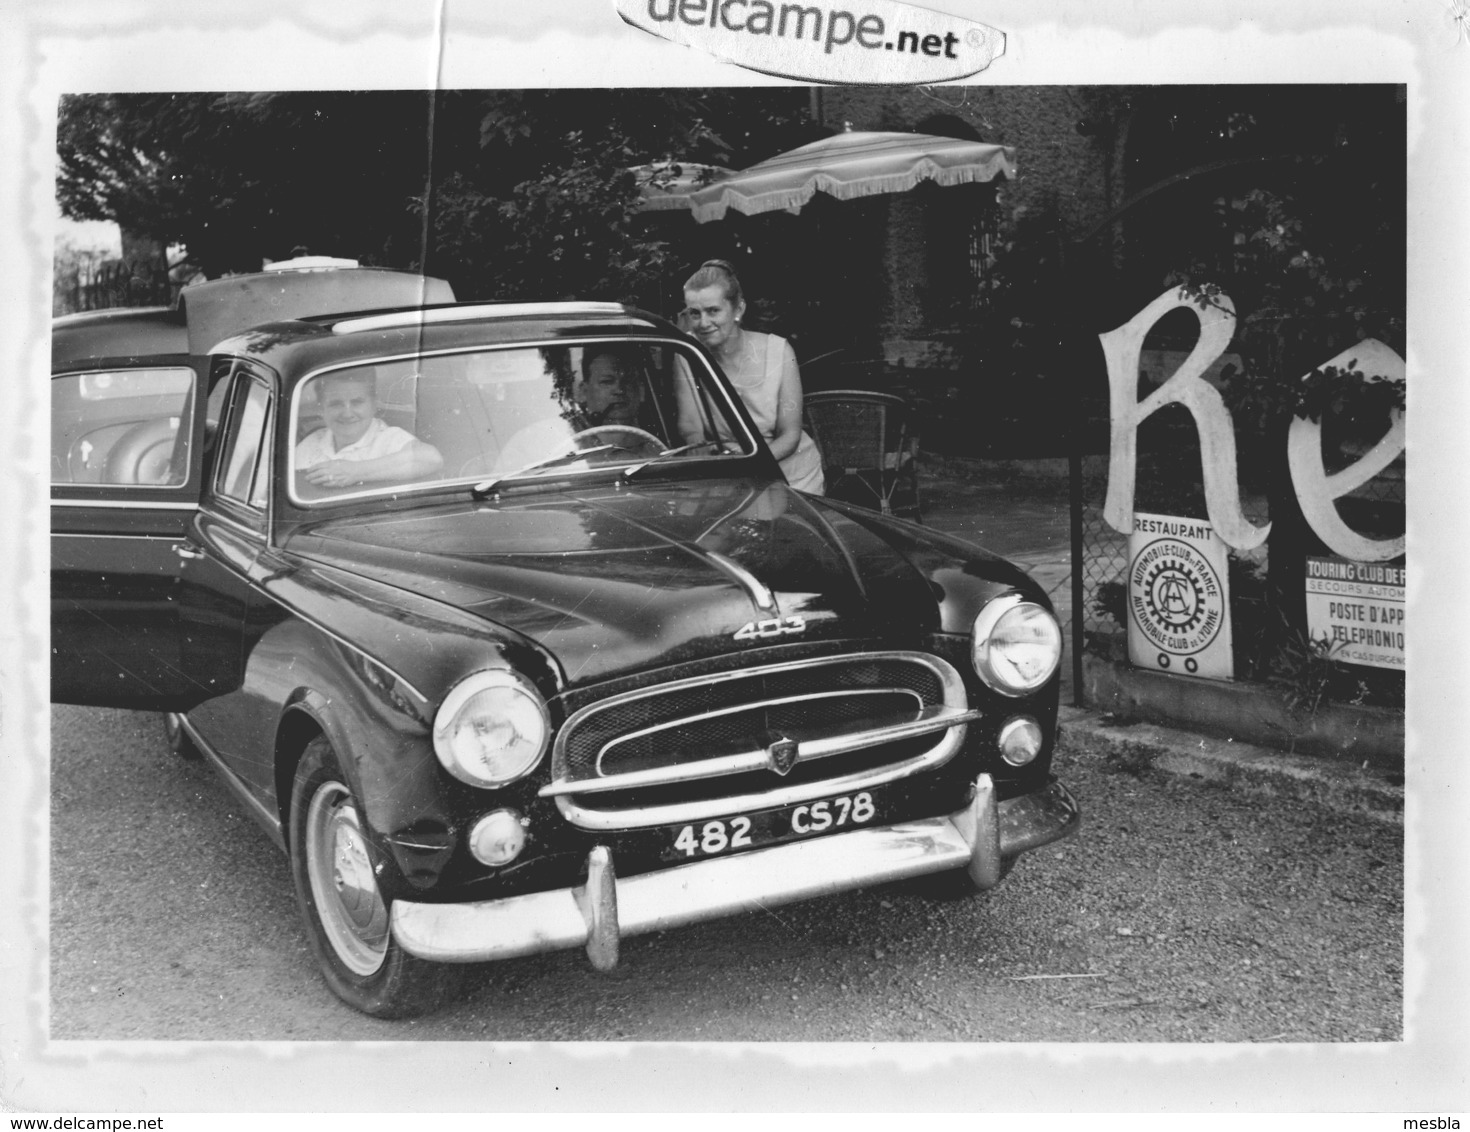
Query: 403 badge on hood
x: 771, y: 627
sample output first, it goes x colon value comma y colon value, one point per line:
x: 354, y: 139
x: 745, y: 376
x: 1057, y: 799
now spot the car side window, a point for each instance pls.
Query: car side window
x: 122, y: 427
x: 243, y: 472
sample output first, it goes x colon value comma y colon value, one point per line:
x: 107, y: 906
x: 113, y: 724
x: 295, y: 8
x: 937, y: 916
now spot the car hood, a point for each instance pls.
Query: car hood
x: 613, y: 580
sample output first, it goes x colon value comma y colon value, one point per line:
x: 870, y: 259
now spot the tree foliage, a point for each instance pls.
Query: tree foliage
x: 1302, y: 296
x: 521, y: 194
x: 547, y: 205
x: 1308, y: 241
x: 237, y: 178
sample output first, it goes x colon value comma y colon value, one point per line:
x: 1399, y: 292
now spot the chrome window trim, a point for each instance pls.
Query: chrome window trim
x: 129, y: 504
x: 294, y: 415
x: 131, y: 538
x: 953, y: 719
x: 229, y: 433
x: 405, y: 320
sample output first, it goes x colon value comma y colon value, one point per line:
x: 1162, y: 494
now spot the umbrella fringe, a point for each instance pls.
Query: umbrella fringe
x: 792, y: 200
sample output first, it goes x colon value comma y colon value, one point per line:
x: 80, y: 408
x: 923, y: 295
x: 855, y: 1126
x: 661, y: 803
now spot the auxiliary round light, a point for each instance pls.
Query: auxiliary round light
x: 491, y: 729
x: 1020, y: 740
x: 498, y: 837
x: 1016, y: 645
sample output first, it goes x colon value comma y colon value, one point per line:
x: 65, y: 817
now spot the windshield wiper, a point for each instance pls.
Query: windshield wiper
x: 485, y: 487
x: 633, y: 469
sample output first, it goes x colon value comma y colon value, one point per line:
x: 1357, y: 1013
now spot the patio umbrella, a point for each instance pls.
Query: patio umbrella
x: 848, y: 165
x: 668, y: 185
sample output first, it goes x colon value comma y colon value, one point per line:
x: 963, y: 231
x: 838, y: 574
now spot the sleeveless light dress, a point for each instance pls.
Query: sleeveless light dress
x: 757, y: 376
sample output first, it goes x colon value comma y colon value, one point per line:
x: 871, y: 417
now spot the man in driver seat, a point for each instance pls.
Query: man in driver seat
x: 608, y: 394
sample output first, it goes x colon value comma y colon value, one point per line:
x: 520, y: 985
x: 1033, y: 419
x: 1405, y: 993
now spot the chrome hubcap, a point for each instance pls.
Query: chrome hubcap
x: 352, y: 912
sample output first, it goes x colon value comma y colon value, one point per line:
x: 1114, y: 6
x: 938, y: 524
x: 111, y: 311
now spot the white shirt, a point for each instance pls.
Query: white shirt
x: 379, y: 440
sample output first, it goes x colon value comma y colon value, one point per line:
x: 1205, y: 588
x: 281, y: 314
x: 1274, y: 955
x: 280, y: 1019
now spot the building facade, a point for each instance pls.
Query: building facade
x: 942, y: 248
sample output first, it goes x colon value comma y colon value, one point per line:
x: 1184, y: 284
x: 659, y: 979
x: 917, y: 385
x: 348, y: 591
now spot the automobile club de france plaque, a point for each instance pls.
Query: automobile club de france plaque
x: 1178, y: 598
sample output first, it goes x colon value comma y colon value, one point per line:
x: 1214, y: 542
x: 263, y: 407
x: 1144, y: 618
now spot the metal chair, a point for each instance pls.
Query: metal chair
x: 869, y: 448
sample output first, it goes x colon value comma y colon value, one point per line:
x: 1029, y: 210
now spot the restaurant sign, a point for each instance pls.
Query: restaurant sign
x: 1358, y: 607
x: 1178, y: 597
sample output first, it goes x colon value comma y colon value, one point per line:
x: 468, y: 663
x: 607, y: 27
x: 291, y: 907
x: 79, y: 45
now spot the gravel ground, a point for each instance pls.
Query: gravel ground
x: 1182, y: 912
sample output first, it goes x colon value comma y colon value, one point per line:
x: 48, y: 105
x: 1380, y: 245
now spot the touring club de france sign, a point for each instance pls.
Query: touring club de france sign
x: 1178, y: 583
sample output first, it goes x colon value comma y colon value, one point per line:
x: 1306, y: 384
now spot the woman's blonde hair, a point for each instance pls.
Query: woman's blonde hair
x: 717, y: 273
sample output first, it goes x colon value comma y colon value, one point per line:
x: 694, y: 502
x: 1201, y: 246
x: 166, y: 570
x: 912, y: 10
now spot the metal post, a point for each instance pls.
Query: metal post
x: 1074, y: 474
x: 1076, y: 438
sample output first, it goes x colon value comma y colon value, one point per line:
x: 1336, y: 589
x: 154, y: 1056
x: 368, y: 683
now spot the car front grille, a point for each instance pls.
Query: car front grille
x: 756, y: 738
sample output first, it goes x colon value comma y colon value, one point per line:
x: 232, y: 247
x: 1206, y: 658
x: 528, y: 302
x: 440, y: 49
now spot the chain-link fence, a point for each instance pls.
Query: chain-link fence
x: 1104, y: 566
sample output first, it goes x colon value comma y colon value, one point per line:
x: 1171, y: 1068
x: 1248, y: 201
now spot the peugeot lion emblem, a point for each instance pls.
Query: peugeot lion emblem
x: 782, y: 755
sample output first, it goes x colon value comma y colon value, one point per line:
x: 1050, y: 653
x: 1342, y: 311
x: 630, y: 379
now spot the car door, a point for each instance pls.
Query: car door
x: 126, y: 469
x: 218, y: 598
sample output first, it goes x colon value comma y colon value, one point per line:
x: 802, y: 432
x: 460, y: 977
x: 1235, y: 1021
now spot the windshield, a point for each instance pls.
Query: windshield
x: 498, y: 416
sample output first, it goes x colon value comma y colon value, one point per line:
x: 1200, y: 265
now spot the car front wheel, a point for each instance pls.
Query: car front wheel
x: 345, y: 913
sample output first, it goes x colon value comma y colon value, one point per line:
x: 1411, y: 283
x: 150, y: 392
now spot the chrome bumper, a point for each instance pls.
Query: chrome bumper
x: 598, y: 914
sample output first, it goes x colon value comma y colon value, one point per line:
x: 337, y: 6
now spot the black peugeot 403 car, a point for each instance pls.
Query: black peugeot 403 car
x: 557, y: 658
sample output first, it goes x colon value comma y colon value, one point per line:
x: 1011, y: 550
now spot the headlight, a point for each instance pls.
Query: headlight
x: 1016, y: 645
x: 491, y: 729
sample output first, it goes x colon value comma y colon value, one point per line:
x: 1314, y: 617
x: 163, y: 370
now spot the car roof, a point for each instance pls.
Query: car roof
x: 298, y: 347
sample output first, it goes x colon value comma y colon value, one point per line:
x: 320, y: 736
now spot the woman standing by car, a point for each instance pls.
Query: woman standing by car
x: 762, y: 368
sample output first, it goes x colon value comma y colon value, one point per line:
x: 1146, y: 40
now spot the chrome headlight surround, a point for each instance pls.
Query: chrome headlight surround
x: 1016, y: 645
x: 491, y: 729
